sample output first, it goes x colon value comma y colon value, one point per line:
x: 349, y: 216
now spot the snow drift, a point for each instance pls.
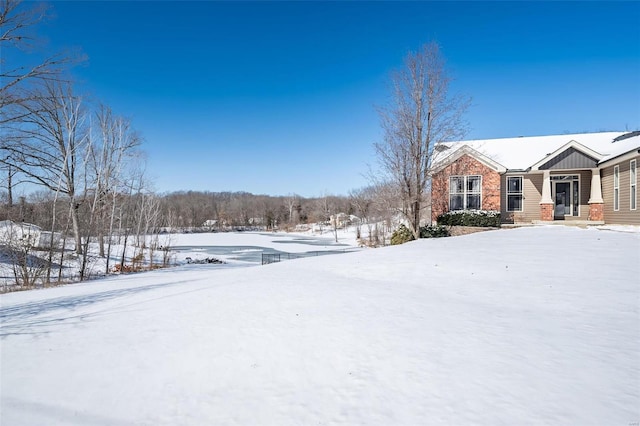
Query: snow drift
x: 525, y: 326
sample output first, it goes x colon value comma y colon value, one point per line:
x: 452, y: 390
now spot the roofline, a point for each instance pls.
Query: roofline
x: 624, y: 154
x: 467, y: 150
x: 627, y: 136
x: 571, y: 144
x: 571, y: 136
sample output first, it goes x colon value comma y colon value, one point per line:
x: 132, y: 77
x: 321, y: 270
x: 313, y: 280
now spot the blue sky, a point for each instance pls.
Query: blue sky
x: 279, y: 97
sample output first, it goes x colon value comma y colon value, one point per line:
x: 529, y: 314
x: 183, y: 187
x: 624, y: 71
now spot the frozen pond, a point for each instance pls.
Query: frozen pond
x: 248, y: 248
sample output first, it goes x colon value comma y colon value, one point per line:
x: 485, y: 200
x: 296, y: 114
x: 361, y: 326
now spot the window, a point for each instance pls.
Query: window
x: 633, y: 184
x: 616, y: 188
x: 465, y: 192
x: 514, y: 193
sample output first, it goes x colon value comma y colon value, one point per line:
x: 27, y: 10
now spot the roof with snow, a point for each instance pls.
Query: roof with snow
x: 523, y: 153
x: 623, y: 145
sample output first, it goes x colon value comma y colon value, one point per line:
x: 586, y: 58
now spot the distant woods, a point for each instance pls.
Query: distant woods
x: 229, y: 210
x: 106, y: 211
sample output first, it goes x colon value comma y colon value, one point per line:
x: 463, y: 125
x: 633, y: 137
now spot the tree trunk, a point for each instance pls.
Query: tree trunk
x: 75, y: 222
x: 416, y: 219
x: 9, y: 187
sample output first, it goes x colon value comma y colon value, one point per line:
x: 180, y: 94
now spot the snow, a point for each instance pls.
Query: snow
x: 272, y: 240
x: 199, y: 246
x: 622, y: 147
x: 521, y: 153
x: 535, y: 325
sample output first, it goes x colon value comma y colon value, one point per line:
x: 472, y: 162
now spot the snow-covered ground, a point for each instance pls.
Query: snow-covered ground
x: 530, y: 326
x: 187, y: 247
x: 257, y: 243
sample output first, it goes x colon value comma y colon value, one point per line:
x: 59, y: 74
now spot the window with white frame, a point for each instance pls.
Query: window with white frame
x: 633, y: 184
x: 616, y: 188
x: 465, y: 192
x: 514, y: 193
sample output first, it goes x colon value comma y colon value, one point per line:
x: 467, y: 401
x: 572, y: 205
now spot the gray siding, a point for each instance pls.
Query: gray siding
x: 624, y: 216
x: 532, y: 193
x: 570, y: 159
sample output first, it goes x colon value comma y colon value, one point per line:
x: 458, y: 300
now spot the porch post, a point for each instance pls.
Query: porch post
x: 546, y: 203
x: 596, y: 203
x: 596, y: 187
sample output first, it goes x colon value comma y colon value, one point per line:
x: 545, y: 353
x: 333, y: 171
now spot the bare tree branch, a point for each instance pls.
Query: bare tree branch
x: 420, y: 115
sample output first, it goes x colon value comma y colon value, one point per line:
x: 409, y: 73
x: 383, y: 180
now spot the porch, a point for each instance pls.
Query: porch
x: 563, y: 195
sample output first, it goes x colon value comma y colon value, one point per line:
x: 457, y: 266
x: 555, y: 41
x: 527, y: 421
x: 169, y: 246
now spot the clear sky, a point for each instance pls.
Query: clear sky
x: 279, y: 97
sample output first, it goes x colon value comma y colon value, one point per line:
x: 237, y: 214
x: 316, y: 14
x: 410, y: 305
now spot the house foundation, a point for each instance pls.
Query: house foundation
x: 596, y: 211
x: 546, y: 212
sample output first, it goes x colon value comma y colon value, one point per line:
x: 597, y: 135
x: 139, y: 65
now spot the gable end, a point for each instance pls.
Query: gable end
x: 571, y: 158
x: 467, y: 151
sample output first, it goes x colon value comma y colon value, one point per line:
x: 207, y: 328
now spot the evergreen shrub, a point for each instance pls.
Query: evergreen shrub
x: 404, y: 235
x: 482, y: 218
x: 434, y: 231
x: 401, y: 235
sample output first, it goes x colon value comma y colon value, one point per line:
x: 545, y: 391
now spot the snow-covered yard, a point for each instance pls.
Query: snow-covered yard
x: 524, y: 326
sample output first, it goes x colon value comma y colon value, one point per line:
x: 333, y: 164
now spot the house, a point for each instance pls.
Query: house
x: 209, y: 223
x: 340, y: 220
x: 49, y: 240
x: 19, y: 235
x: 590, y: 178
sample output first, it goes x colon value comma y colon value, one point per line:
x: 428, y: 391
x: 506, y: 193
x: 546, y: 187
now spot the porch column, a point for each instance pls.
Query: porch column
x: 596, y: 203
x: 546, y: 203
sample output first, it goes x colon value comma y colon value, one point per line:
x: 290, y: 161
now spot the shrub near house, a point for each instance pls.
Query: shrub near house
x: 404, y: 235
x: 470, y: 218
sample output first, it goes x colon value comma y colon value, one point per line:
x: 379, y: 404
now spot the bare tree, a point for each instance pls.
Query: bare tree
x: 19, y: 243
x: 421, y: 113
x: 9, y: 183
x: 384, y: 209
x: 107, y: 159
x: 47, y: 144
x: 362, y: 201
x: 292, y: 202
x: 127, y: 211
x: 17, y: 25
x: 149, y: 218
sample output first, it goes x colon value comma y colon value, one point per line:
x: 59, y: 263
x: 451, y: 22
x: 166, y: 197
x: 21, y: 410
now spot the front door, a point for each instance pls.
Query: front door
x: 563, y: 200
x: 566, y: 196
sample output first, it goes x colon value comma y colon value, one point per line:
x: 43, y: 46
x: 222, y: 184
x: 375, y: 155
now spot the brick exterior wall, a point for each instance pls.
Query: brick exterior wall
x: 596, y: 211
x: 546, y: 212
x: 464, y: 166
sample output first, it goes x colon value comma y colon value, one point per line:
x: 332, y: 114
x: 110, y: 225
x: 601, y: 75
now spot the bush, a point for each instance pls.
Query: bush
x: 401, y: 235
x: 404, y: 235
x: 434, y: 231
x: 482, y: 218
